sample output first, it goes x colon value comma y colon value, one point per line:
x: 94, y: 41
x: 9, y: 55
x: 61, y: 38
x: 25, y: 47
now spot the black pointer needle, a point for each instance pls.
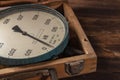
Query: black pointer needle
x: 17, y: 29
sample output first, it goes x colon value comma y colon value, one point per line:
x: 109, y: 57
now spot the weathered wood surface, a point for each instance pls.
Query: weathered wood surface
x: 106, y: 4
x: 96, y: 76
x: 101, y: 21
x: 102, y: 26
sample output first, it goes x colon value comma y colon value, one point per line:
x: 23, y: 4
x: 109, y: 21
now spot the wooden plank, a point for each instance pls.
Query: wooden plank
x: 101, y: 24
x: 51, y: 3
x: 10, y: 2
x: 75, y: 25
x: 111, y: 66
x: 111, y: 4
x: 96, y: 76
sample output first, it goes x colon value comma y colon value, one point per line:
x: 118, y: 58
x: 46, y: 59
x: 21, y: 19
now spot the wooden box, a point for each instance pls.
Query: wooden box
x: 78, y: 39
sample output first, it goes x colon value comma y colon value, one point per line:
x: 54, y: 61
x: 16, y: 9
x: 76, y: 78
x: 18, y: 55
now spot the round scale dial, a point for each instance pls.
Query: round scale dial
x: 31, y: 33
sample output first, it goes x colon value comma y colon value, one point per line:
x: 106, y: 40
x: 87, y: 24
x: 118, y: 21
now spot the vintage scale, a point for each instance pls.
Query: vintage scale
x: 33, y: 33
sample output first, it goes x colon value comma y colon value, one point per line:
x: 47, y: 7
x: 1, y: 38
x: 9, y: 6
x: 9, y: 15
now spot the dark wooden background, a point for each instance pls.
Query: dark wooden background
x: 101, y: 21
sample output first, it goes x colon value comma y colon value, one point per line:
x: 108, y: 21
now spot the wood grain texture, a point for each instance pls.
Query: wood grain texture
x: 111, y: 4
x: 11, y: 2
x: 101, y: 21
x: 96, y: 76
x: 102, y: 26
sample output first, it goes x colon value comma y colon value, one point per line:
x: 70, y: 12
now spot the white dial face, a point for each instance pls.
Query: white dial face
x: 29, y: 34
